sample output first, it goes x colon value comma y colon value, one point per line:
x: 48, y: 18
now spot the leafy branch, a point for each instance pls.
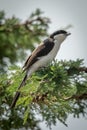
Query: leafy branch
x: 53, y: 92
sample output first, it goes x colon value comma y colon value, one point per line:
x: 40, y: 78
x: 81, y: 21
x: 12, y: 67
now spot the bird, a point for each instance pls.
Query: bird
x: 41, y: 57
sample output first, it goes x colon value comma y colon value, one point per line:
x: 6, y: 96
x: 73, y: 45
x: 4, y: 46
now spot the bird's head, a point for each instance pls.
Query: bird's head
x: 60, y: 35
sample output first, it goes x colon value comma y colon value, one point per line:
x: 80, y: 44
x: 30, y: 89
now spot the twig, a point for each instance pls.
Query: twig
x: 77, y: 97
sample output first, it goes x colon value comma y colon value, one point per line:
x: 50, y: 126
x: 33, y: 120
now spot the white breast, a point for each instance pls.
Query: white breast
x: 54, y: 51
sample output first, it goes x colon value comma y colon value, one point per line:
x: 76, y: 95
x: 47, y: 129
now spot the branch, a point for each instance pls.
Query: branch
x: 40, y: 97
x: 77, y: 97
x: 79, y: 69
x: 26, y: 24
x: 83, y: 69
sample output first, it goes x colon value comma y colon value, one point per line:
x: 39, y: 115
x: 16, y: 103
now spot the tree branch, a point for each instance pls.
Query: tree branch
x: 77, y: 97
x: 26, y: 24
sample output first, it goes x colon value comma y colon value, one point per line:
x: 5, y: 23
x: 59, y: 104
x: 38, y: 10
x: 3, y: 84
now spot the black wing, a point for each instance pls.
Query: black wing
x: 42, y: 50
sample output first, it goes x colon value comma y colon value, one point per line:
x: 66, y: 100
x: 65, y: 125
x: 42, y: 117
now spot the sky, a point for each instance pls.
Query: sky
x: 61, y: 13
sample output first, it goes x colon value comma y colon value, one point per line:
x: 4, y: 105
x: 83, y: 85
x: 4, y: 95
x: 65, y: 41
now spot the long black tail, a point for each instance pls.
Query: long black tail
x: 18, y: 93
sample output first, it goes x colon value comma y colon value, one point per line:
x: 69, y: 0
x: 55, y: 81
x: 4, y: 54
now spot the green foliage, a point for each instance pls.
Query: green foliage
x: 52, y: 93
x: 15, y: 36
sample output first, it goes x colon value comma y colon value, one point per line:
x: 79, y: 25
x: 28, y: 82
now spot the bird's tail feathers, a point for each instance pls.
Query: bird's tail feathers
x: 18, y: 93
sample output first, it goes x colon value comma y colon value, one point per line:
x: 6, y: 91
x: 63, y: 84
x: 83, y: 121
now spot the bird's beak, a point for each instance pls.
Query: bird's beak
x: 68, y: 34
